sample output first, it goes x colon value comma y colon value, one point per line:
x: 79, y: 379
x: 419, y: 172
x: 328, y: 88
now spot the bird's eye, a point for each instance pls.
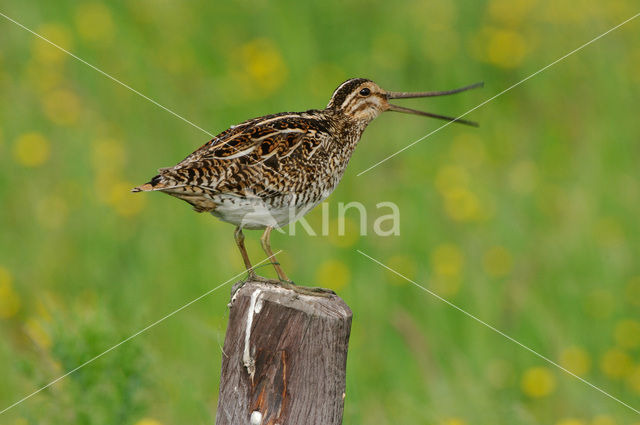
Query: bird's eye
x: 365, y: 92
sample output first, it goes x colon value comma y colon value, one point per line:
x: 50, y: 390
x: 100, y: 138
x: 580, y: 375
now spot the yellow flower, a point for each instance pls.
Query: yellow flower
x: 262, y: 63
x: 447, y: 260
x: 403, y: 265
x: 9, y: 299
x: 94, y: 22
x: 148, y: 421
x: 61, y: 107
x: 333, y: 274
x: 462, y: 205
x: 31, y: 149
x: 576, y: 360
x: 538, y: 382
x: 45, y: 52
x: 459, y: 202
x: 616, y: 363
x: 497, y: 261
x: 627, y: 333
x: 570, y: 421
x: 506, y: 48
x: 603, y: 420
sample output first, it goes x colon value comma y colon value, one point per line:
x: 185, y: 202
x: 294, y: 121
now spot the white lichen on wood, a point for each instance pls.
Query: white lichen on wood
x: 256, y: 418
x: 254, y: 308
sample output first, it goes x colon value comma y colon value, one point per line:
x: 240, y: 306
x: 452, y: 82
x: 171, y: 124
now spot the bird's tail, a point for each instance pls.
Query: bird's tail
x: 155, y: 184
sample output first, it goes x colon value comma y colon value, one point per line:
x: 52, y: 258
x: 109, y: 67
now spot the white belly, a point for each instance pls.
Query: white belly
x: 256, y: 213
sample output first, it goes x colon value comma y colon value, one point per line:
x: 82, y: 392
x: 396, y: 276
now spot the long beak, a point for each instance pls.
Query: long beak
x: 406, y: 95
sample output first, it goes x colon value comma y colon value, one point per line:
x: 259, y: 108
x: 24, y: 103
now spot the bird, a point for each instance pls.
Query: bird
x: 269, y: 171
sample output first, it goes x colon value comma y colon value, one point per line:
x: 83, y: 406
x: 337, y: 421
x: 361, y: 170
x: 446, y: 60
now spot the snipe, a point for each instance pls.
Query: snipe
x: 271, y: 170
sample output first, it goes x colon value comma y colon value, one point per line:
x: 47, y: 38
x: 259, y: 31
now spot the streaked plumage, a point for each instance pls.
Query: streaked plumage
x: 267, y: 171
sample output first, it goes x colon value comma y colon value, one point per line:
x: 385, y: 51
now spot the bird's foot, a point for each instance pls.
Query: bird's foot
x: 312, y: 291
x: 251, y: 277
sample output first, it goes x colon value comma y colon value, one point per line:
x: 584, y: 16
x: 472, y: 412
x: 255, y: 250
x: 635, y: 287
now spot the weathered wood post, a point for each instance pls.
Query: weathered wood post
x: 284, y: 358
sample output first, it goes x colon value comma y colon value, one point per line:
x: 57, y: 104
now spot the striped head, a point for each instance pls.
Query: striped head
x: 359, y: 99
x: 362, y: 100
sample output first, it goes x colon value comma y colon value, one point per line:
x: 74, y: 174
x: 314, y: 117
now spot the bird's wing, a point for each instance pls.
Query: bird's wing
x: 262, y: 137
x: 244, y: 157
x: 234, y: 140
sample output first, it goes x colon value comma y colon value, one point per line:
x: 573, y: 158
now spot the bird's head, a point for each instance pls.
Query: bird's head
x: 363, y: 100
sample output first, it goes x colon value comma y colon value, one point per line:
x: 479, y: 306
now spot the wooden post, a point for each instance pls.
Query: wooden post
x: 284, y: 358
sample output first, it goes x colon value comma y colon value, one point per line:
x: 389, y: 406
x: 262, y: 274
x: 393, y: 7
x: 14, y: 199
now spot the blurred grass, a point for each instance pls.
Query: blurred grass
x: 529, y: 222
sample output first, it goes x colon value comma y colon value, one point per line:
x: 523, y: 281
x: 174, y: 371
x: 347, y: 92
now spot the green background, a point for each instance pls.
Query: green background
x: 529, y: 222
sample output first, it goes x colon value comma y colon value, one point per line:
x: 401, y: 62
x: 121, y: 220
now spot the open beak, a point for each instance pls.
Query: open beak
x: 407, y: 95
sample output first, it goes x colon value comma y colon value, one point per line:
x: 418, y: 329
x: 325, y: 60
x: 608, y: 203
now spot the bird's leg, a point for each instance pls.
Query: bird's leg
x: 266, y: 245
x: 284, y: 280
x: 239, y: 236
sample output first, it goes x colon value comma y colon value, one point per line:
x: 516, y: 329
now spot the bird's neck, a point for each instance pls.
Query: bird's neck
x: 348, y: 129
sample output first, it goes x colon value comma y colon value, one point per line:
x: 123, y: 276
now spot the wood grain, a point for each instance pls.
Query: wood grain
x: 284, y: 359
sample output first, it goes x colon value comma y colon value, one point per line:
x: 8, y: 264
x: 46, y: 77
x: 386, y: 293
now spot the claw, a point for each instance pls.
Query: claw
x: 306, y: 290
